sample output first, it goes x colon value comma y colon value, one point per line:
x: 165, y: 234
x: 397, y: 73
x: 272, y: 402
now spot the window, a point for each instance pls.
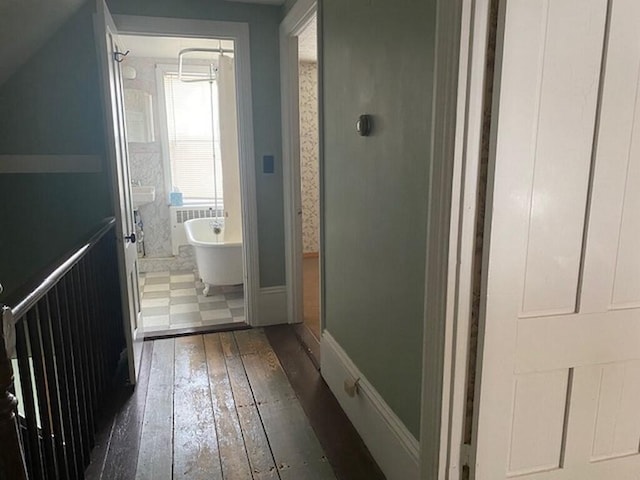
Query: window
x: 193, y: 132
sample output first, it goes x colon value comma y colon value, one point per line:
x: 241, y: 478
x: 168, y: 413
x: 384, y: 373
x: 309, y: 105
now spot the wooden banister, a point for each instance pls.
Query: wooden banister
x: 12, y: 463
x: 67, y: 329
x: 28, y: 296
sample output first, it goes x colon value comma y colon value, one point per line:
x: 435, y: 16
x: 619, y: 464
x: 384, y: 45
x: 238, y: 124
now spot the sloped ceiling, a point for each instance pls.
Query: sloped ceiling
x: 25, y: 26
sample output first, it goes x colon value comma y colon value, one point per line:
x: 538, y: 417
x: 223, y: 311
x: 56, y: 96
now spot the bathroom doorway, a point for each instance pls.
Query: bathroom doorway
x: 187, y: 136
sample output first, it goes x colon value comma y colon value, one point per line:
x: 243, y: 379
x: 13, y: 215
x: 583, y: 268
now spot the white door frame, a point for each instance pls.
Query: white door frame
x: 239, y: 32
x: 459, y: 90
x: 295, y: 21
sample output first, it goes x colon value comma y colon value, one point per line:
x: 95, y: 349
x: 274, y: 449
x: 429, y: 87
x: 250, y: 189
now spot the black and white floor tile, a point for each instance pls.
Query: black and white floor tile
x: 174, y: 300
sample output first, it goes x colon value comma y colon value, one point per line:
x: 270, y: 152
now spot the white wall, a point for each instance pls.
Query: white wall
x: 147, y: 167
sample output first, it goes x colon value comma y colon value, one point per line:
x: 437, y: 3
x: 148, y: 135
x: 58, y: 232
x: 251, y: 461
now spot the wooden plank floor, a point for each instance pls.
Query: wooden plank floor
x: 347, y: 453
x: 218, y: 406
x: 311, y: 294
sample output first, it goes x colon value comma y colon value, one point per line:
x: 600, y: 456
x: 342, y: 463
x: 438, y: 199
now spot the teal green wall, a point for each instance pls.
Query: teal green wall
x: 378, y: 59
x: 51, y: 106
x: 263, y: 23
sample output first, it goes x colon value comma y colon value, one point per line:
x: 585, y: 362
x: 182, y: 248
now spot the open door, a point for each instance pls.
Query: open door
x: 560, y: 331
x: 109, y: 59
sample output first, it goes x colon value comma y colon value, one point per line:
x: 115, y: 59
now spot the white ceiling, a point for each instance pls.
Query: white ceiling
x: 169, y: 47
x: 25, y: 26
x: 308, y: 42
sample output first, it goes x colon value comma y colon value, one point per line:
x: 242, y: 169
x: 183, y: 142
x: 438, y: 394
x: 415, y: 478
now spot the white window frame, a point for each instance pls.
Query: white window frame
x: 161, y: 70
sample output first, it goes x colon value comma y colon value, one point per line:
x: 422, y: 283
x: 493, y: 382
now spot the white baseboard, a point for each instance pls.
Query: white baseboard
x: 272, y: 306
x: 393, y: 447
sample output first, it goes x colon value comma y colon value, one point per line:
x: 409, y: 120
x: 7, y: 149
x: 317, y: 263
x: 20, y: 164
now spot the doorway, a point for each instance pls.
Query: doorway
x: 187, y: 98
x: 181, y: 112
x: 302, y: 170
x: 309, y: 174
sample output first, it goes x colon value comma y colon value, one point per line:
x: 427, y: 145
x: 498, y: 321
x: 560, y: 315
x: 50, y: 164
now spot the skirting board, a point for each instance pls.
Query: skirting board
x: 272, y: 307
x: 393, y: 447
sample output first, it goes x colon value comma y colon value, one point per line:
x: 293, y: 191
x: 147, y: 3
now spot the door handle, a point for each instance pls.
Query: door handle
x: 131, y: 238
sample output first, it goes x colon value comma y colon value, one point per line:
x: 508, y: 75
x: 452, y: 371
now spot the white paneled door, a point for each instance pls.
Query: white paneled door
x: 559, y: 391
x: 110, y: 57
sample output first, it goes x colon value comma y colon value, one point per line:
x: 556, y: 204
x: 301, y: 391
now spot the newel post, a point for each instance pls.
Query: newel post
x: 12, y: 464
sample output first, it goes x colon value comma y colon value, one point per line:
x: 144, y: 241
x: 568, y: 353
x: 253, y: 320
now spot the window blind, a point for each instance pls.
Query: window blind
x: 194, y: 138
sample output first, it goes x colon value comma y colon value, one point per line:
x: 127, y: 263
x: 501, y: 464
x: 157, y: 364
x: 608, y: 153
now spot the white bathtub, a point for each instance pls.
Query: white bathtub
x: 219, y: 260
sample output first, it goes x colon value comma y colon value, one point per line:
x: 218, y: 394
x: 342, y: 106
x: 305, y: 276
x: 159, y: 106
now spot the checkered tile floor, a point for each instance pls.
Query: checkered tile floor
x: 174, y: 300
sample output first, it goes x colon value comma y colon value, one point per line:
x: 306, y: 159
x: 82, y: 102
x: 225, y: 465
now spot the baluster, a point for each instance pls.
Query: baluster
x: 95, y: 323
x: 42, y: 389
x: 89, y: 336
x: 12, y: 463
x: 80, y: 368
x: 63, y: 381
x: 84, y: 339
x: 63, y: 333
x: 35, y: 459
x: 54, y: 385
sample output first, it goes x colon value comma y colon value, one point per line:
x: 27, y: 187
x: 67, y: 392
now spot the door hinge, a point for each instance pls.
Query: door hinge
x: 465, y: 455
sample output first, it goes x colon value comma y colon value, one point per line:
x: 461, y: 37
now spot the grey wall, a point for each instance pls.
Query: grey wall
x: 378, y: 60
x: 20, y: 39
x: 51, y: 105
x: 288, y: 5
x: 265, y: 77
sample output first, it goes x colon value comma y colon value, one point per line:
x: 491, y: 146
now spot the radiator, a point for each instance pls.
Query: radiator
x: 179, y: 215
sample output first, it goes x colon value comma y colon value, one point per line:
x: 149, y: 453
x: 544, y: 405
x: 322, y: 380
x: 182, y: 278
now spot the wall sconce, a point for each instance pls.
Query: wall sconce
x: 364, y: 125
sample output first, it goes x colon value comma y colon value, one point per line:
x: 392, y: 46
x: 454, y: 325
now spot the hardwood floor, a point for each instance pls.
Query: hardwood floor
x: 346, y: 451
x: 212, y: 406
x: 311, y: 294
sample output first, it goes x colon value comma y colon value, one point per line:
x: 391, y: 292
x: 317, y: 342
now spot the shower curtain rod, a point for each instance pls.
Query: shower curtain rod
x: 211, y: 50
x: 212, y: 77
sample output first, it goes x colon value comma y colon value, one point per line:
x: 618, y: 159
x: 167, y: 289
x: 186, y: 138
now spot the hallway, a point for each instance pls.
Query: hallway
x: 221, y: 406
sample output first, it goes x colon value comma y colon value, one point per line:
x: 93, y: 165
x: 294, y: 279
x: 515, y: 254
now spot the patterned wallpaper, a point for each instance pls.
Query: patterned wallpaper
x: 310, y: 187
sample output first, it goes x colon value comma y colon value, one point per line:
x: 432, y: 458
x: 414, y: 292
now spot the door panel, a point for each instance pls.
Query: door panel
x: 538, y: 447
x: 118, y: 160
x: 558, y: 140
x: 617, y: 427
x: 626, y: 287
x: 560, y: 365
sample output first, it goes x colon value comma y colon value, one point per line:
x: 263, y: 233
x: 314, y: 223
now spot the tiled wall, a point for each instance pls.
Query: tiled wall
x: 147, y: 167
x: 309, y: 155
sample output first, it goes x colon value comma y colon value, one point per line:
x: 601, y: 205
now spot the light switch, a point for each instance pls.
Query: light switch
x: 268, y: 164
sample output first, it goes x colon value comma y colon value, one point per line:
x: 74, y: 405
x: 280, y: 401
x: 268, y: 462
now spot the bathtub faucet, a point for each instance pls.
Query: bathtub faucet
x: 215, y: 226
